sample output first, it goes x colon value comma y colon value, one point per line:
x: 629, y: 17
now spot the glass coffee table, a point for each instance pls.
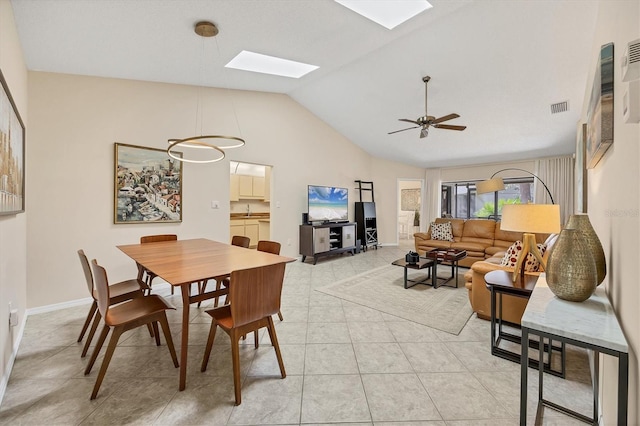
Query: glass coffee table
x: 420, y: 264
x: 451, y: 256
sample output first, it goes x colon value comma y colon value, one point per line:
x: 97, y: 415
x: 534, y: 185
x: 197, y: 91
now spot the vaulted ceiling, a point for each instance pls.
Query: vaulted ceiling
x: 498, y: 64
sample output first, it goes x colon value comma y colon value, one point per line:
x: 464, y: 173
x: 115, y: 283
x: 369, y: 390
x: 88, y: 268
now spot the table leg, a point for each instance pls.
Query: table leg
x: 623, y: 388
x: 405, y: 277
x: 434, y: 278
x: 186, y: 290
x: 523, y: 377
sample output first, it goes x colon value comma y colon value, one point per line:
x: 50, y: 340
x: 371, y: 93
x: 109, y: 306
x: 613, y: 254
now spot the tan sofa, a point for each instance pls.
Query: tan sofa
x: 481, y: 238
x: 480, y: 296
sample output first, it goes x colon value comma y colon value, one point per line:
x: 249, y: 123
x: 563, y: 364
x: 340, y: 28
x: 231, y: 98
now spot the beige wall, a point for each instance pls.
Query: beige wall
x: 13, y: 228
x: 76, y: 121
x: 614, y: 204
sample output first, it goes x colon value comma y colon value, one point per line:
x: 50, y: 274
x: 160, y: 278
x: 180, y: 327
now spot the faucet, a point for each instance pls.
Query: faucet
x: 248, y: 210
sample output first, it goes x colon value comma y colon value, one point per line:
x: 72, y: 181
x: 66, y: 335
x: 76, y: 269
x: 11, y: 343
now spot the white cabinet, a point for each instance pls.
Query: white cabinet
x: 248, y: 187
x: 246, y: 228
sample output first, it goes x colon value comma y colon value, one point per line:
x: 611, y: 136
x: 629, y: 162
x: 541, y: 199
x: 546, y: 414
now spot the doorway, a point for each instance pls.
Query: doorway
x: 250, y: 201
x: 409, y: 211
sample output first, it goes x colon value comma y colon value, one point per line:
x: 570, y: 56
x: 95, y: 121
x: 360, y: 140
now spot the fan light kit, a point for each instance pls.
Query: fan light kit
x: 427, y: 120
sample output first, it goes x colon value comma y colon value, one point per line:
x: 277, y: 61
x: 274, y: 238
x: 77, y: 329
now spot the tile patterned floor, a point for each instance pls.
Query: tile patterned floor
x: 345, y: 364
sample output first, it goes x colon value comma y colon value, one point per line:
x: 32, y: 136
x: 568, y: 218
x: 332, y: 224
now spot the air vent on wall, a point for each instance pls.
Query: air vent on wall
x: 559, y: 107
x: 631, y: 61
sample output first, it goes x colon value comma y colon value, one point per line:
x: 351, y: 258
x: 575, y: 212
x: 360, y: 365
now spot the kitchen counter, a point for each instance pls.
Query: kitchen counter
x: 242, y: 216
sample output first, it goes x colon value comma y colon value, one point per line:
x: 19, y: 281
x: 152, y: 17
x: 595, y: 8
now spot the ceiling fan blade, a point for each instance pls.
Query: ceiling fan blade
x: 409, y: 121
x: 408, y: 128
x: 445, y: 118
x: 449, y: 127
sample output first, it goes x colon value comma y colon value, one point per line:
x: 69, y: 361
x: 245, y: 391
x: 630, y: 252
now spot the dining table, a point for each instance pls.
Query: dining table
x: 184, y: 262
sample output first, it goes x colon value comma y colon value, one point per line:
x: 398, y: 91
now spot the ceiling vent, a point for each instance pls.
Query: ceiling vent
x: 559, y: 107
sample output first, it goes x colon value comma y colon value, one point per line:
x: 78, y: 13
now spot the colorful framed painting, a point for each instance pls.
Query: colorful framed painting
x: 148, y: 185
x: 12, y: 154
x: 600, y: 113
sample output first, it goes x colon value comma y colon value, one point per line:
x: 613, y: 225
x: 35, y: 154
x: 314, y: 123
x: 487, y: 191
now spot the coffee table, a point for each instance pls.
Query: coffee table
x: 452, y: 256
x: 421, y: 264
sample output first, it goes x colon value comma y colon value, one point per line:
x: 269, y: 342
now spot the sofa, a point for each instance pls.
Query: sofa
x: 480, y: 297
x: 481, y: 238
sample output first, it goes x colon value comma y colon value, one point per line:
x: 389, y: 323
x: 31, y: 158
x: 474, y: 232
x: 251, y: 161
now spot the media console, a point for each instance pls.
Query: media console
x: 327, y: 239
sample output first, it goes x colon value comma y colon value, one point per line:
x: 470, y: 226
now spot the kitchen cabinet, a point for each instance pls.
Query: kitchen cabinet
x: 248, y: 187
x: 246, y: 228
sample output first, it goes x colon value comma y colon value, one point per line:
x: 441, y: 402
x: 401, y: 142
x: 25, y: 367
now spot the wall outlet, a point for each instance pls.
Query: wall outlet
x: 215, y: 204
x: 289, y: 241
x: 13, y: 318
x: 277, y: 204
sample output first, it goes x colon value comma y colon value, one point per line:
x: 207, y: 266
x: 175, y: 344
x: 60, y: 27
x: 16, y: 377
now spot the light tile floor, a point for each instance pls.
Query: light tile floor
x: 345, y: 364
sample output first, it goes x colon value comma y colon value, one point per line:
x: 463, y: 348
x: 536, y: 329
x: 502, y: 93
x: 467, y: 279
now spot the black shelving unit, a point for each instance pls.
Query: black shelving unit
x: 367, y: 228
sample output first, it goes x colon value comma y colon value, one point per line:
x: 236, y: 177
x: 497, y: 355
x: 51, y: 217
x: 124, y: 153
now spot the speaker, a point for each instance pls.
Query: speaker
x: 305, y: 218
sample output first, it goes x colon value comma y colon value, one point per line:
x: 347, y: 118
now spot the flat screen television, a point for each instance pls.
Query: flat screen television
x: 328, y: 204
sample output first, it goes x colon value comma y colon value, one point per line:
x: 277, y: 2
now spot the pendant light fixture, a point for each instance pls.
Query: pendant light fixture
x: 215, y: 144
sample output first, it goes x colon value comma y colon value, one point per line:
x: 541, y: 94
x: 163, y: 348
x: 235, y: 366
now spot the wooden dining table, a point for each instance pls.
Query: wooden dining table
x: 184, y: 262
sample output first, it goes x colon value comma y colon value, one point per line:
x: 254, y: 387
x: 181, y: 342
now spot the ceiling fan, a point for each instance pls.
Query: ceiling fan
x: 427, y: 120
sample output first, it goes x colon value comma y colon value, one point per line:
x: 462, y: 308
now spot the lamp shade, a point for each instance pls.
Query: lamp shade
x: 490, y: 185
x: 531, y: 218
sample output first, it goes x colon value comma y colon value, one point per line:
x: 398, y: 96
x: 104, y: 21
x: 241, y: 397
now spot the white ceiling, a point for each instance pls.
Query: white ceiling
x: 499, y: 64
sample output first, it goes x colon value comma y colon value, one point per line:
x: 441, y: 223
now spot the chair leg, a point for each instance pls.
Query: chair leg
x: 92, y: 332
x: 167, y: 336
x: 274, y: 341
x: 218, y: 287
x: 150, y: 328
x: 280, y: 316
x: 255, y: 339
x: 113, y: 342
x: 207, y: 349
x: 202, y: 286
x: 155, y: 332
x: 96, y: 350
x: 235, y: 357
x: 92, y: 311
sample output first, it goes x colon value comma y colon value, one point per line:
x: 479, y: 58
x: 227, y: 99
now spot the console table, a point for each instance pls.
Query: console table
x: 591, y: 324
x: 327, y: 239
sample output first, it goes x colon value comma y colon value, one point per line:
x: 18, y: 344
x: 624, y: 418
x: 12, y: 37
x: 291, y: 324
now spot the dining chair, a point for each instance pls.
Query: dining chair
x: 254, y: 296
x: 143, y: 273
x: 146, y: 310
x: 272, y: 247
x: 223, y: 281
x: 119, y: 292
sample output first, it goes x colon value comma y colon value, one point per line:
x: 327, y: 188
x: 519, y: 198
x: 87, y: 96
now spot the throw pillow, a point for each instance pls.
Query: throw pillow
x: 531, y: 264
x: 441, y: 231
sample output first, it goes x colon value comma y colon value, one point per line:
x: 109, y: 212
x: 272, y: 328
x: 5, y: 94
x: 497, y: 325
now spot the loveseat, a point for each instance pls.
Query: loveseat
x: 481, y: 238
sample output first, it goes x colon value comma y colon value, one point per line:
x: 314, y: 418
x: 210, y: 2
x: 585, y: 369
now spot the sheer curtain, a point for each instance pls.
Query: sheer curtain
x: 557, y: 173
x: 432, y: 191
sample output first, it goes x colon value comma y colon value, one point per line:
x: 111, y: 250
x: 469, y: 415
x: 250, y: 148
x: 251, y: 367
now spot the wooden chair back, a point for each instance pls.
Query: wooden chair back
x: 102, y: 288
x: 255, y: 293
x: 87, y: 271
x: 158, y: 238
x: 240, y: 241
x: 272, y: 247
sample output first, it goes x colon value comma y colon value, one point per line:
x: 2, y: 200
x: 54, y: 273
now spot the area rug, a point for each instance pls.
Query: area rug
x: 443, y: 308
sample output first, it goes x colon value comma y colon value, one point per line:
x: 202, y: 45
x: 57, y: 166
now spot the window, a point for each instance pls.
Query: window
x: 463, y: 202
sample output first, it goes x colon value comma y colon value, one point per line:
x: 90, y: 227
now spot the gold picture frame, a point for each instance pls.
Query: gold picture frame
x: 12, y: 154
x: 147, y: 185
x: 600, y: 113
x: 581, y: 170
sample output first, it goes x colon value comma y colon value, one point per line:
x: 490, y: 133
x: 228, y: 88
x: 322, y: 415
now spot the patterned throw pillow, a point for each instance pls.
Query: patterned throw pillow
x: 531, y: 264
x: 441, y: 231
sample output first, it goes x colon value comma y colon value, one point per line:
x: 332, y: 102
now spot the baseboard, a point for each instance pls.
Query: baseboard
x: 14, y: 352
x: 58, y: 306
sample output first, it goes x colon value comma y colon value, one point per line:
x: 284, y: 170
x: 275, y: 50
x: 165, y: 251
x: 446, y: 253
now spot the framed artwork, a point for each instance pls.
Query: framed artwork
x: 600, y: 113
x: 581, y: 170
x: 148, y: 185
x: 409, y: 199
x: 12, y: 152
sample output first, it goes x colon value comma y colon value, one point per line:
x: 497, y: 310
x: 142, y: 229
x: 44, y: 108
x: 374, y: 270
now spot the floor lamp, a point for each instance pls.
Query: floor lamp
x: 530, y: 219
x: 497, y: 184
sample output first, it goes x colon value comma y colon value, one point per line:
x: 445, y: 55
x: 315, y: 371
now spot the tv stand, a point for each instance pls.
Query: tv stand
x: 327, y: 239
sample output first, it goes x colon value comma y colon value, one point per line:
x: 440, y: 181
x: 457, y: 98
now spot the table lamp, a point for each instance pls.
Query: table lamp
x: 530, y: 219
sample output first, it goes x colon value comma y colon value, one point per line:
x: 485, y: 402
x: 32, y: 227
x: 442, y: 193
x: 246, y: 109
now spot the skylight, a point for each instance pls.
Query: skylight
x: 256, y: 62
x: 388, y: 13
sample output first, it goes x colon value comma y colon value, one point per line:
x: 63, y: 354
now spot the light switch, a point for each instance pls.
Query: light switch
x: 215, y: 204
